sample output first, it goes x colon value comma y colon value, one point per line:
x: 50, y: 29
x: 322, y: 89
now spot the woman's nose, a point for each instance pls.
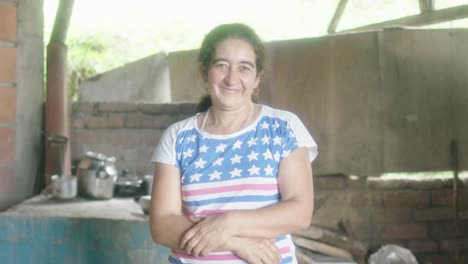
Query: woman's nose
x: 231, y: 77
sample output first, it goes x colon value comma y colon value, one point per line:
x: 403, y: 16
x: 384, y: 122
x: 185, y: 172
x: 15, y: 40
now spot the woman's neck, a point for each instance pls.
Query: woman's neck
x: 219, y: 121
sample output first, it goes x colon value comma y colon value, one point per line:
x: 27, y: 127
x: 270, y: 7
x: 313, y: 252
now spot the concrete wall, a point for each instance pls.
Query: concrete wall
x: 143, y: 80
x: 21, y: 98
x: 376, y: 102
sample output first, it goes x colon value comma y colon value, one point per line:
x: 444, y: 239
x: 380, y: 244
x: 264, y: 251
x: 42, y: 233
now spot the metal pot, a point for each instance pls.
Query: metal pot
x: 129, y: 185
x: 96, y: 176
x: 63, y: 187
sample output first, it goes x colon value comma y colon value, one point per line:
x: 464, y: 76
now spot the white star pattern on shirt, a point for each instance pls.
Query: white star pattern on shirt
x: 237, y: 144
x: 254, y: 170
x: 220, y: 147
x: 195, y: 177
x: 200, y: 163
x: 215, y: 175
x: 218, y: 161
x: 267, y: 155
x: 188, y: 153
x: 252, y: 156
x: 276, y: 125
x: 191, y: 138
x: 277, y: 156
x: 235, y: 173
x: 265, y: 140
x: 221, y: 160
x: 204, y: 149
x: 268, y: 170
x: 277, y: 140
x: 252, y: 142
x: 236, y: 159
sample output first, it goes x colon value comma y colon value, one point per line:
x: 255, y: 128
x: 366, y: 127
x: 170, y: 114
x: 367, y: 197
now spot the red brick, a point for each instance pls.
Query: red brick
x: 433, y: 214
x: 108, y: 121
x: 361, y: 199
x: 330, y: 182
x: 441, y: 197
x: 450, y: 245
x: 393, y: 215
x: 8, y: 65
x: 7, y: 23
x: 7, y: 104
x: 404, y: 231
x: 149, y: 121
x: 7, y: 144
x: 423, y: 246
x: 117, y: 107
x: 446, y: 229
x: 405, y: 199
x: 442, y: 259
x: 78, y: 122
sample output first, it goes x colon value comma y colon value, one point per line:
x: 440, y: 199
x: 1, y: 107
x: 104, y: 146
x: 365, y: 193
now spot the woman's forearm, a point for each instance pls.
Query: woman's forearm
x: 272, y: 221
x: 167, y: 230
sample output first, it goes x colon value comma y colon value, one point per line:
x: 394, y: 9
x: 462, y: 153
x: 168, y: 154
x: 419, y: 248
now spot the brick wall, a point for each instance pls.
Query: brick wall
x: 128, y: 131
x: 8, y: 62
x: 413, y: 212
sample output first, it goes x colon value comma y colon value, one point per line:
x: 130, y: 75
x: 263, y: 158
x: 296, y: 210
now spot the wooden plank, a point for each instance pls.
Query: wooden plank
x: 427, y: 18
x: 356, y: 248
x: 337, y: 16
x: 322, y: 248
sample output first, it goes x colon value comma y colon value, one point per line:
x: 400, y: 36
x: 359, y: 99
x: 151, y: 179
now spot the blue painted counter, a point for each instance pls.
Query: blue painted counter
x: 42, y: 230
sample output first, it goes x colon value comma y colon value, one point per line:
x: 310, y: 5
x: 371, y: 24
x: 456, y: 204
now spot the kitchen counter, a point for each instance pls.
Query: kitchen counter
x: 41, y: 206
x: 42, y: 230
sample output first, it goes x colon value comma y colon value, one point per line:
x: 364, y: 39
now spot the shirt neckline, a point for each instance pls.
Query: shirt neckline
x: 231, y: 135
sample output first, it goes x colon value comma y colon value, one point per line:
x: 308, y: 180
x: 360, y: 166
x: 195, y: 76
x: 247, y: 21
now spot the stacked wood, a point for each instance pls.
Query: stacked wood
x: 330, y: 243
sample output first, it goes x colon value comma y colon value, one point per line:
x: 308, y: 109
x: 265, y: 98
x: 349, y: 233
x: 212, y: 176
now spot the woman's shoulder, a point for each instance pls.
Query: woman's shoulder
x: 284, y: 115
x: 182, y: 125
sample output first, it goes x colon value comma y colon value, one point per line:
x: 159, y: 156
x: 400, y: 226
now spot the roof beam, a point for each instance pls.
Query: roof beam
x: 426, y: 5
x: 337, y: 16
x: 427, y: 18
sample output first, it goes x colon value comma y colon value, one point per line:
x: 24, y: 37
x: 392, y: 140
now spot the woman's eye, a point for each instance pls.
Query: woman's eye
x: 221, y: 66
x: 245, y: 69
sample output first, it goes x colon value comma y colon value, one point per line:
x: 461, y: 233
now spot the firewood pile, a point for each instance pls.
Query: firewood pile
x: 327, y: 242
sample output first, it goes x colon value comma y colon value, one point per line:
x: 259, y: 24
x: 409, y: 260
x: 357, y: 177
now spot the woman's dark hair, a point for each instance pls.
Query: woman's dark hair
x: 217, y: 35
x: 225, y: 31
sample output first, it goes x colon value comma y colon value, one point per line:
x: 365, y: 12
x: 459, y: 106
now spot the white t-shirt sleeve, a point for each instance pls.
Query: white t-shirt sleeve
x: 165, y: 151
x: 303, y: 137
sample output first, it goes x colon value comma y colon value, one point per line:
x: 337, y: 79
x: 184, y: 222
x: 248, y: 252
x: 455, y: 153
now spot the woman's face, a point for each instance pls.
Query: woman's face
x: 232, y: 74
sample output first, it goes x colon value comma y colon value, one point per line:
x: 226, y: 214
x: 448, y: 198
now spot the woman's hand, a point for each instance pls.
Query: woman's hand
x: 257, y: 250
x: 206, y: 236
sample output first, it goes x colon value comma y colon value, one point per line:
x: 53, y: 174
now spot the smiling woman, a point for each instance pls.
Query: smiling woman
x: 228, y: 180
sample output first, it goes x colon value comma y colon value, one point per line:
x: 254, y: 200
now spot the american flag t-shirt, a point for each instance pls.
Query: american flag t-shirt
x: 222, y: 173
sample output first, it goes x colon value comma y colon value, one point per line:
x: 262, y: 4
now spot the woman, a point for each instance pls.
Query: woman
x: 232, y: 182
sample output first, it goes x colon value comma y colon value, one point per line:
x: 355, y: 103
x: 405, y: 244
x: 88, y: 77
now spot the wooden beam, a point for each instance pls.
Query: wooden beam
x: 426, y: 5
x: 337, y: 16
x: 438, y: 16
x: 62, y: 21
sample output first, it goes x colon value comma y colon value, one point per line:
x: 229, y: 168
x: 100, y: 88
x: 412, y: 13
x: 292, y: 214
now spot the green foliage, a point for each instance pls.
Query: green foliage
x: 89, y: 55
